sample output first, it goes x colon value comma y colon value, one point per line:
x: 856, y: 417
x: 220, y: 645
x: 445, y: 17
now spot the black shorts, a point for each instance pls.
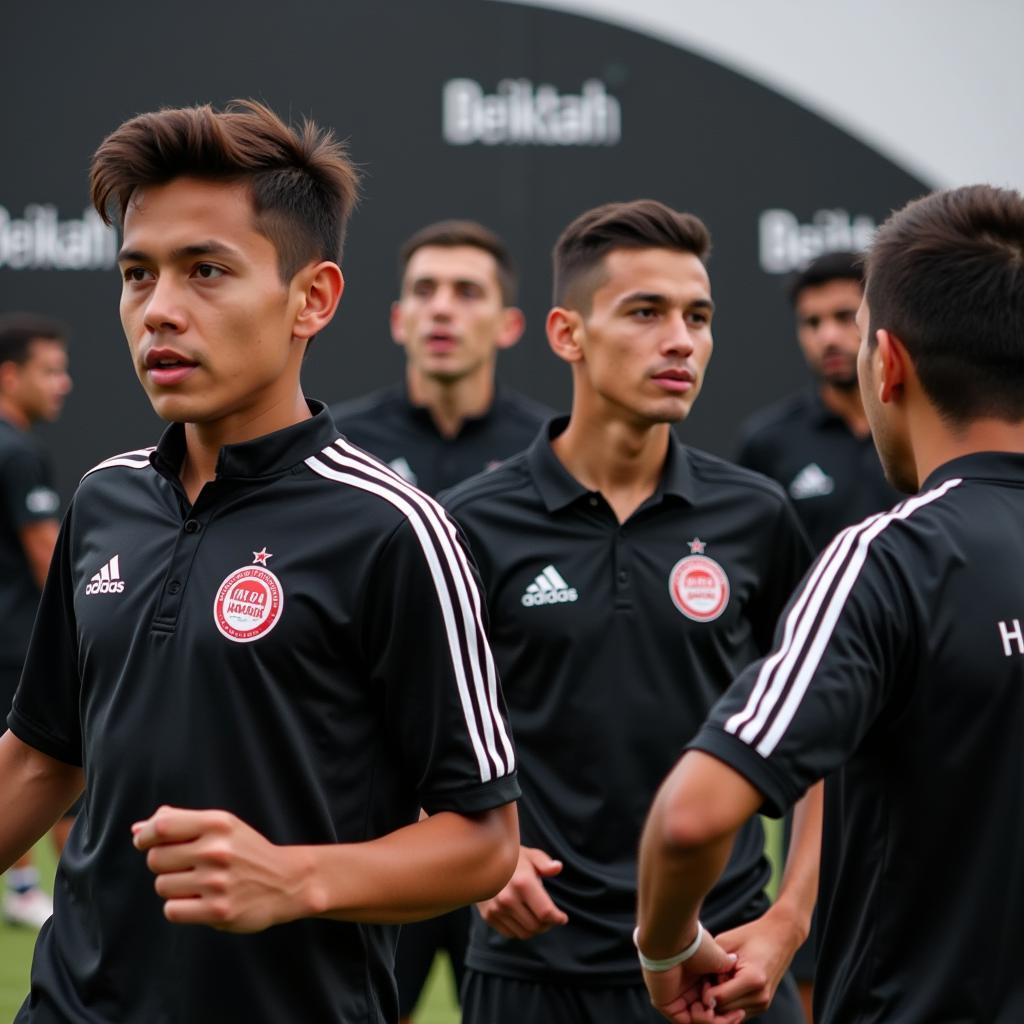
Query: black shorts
x: 418, y: 944
x: 492, y: 999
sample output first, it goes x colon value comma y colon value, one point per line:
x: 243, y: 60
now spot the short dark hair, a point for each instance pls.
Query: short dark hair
x: 946, y: 276
x: 302, y: 183
x: 19, y: 330
x: 640, y: 224
x: 829, y: 266
x: 448, y: 234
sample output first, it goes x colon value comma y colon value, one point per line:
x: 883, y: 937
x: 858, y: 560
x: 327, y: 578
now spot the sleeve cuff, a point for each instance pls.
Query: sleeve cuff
x: 35, y: 736
x: 481, y: 797
x: 779, y: 794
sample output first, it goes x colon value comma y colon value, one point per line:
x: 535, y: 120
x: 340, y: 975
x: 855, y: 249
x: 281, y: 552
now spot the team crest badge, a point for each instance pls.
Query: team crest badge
x: 699, y: 585
x: 249, y: 601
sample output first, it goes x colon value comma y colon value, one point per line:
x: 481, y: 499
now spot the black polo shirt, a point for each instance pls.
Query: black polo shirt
x: 899, y: 674
x: 26, y: 496
x: 613, y: 642
x: 303, y: 647
x: 833, y: 477
x: 405, y: 436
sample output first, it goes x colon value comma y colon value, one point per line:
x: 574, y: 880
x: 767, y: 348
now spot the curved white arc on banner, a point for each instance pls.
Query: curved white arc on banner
x: 928, y: 84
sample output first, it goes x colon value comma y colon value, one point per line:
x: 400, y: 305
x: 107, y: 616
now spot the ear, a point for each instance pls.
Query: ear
x: 893, y: 364
x: 565, y: 333
x: 513, y: 323
x: 397, y: 329
x: 8, y: 375
x: 320, y: 286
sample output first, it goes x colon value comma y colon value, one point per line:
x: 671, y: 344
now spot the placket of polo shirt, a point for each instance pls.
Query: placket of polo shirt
x: 622, y: 568
x: 179, y: 570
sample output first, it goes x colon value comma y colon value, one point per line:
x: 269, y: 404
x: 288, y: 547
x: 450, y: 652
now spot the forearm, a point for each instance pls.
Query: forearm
x: 435, y: 865
x: 35, y: 790
x: 798, y: 891
x: 675, y: 876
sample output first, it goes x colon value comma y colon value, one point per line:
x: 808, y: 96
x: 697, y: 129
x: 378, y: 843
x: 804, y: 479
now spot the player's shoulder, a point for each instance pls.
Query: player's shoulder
x: 781, y: 416
x: 365, y: 408
x: 124, y: 464
x: 721, y: 473
x: 492, y: 487
x: 16, y: 444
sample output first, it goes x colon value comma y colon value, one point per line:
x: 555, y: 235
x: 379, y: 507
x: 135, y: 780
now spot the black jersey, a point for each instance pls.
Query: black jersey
x: 26, y: 496
x: 613, y: 641
x: 405, y: 436
x: 898, y: 674
x: 833, y: 477
x: 304, y: 647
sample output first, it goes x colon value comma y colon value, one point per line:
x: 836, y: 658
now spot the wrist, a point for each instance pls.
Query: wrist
x: 305, y: 891
x: 658, y: 965
x: 793, y: 921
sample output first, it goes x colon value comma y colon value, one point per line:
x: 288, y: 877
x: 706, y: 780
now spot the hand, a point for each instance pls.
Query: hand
x: 523, y: 908
x: 764, y: 949
x: 680, y: 994
x: 211, y: 868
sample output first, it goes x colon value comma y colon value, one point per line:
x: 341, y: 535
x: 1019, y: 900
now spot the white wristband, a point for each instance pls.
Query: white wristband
x: 658, y: 966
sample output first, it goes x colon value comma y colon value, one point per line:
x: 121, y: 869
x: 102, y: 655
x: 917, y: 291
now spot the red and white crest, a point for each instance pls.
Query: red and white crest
x: 699, y: 585
x: 249, y: 602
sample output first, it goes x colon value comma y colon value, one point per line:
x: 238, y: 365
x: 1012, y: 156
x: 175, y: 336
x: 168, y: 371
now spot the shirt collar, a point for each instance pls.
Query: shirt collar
x: 558, y: 488
x: 979, y: 465
x: 265, y: 456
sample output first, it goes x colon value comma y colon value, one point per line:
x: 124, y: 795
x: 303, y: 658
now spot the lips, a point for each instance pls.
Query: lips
x: 167, y: 367
x: 674, y: 379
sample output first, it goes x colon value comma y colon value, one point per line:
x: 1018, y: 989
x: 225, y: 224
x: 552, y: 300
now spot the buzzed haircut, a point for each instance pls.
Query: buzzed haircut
x: 19, y: 330
x: 945, y: 275
x: 829, y: 266
x: 450, y: 234
x: 301, y: 181
x: 640, y: 224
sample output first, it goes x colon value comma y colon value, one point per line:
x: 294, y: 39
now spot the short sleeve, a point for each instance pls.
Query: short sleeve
x: 45, y: 714
x: 798, y: 714
x: 27, y: 494
x: 788, y: 556
x: 427, y: 646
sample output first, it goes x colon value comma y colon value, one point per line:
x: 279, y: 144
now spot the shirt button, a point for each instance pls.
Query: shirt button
x: 174, y: 586
x: 623, y: 576
x: 192, y: 525
x: 593, y: 499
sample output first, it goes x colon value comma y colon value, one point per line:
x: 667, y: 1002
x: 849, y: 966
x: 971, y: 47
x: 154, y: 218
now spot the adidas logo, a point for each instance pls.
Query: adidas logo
x: 811, y: 482
x: 548, y: 588
x: 107, y: 580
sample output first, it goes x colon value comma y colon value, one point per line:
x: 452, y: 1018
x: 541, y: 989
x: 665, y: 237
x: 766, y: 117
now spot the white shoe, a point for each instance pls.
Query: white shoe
x: 30, y: 908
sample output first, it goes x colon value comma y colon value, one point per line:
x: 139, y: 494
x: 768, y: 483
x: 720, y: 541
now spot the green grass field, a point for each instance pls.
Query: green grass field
x: 436, y: 1006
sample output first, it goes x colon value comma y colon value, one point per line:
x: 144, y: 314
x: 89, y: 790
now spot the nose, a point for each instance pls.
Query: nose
x: 441, y: 302
x: 677, y: 339
x: 164, y: 312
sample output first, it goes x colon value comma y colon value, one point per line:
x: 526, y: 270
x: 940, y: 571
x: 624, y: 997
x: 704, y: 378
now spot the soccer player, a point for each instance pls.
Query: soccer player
x: 447, y: 420
x: 898, y: 672
x: 259, y: 649
x: 628, y: 578
x: 816, y: 443
x: 34, y: 382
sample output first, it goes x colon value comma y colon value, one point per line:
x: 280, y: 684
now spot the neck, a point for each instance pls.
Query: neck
x: 452, y: 402
x: 623, y: 461
x: 935, y: 443
x: 203, y: 441
x: 14, y: 414
x: 847, y: 405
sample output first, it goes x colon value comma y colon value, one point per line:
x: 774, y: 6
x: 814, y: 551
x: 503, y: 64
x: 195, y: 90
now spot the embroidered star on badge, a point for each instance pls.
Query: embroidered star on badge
x: 697, y: 546
x: 260, y: 557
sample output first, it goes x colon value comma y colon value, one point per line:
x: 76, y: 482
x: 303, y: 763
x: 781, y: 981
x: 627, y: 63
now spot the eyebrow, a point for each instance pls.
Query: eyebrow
x: 210, y: 248
x: 656, y: 298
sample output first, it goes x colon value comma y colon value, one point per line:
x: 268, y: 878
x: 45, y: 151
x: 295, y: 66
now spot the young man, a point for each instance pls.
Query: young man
x: 628, y: 577
x: 899, y: 666
x: 816, y: 443
x: 34, y: 382
x: 447, y: 421
x: 225, y: 653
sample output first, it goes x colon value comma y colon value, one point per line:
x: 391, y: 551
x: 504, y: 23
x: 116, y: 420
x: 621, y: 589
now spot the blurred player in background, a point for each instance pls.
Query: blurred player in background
x: 898, y: 672
x: 445, y: 422
x: 628, y: 578
x: 34, y: 382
